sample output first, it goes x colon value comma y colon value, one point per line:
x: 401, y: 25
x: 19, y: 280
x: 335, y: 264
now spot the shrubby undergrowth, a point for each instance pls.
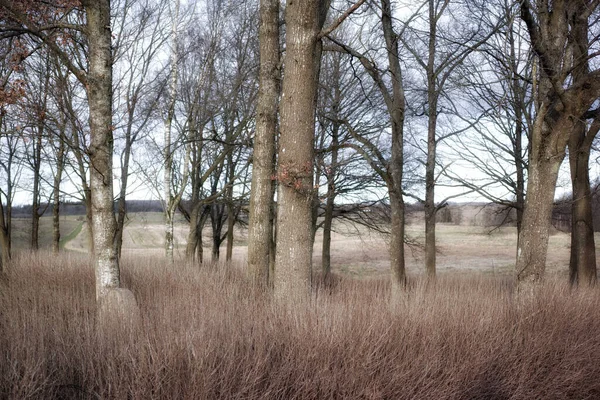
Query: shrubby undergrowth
x: 207, y: 332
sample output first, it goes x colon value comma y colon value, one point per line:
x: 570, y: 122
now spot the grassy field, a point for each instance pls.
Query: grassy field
x: 355, y: 252
x: 208, y: 333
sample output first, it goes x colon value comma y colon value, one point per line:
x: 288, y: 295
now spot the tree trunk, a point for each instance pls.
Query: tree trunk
x: 168, y: 151
x: 230, y: 175
x: 192, y: 239
x: 566, y: 91
x: 60, y: 156
x: 519, y: 164
x: 582, y: 266
x: 548, y: 145
x: 331, y: 193
x: 432, y: 100
x: 230, y: 233
x: 395, y: 106
x: 89, y: 221
x: 35, y: 207
x: 293, y: 260
x: 397, y: 244
x: 430, y: 208
x: 216, y: 219
x: 122, y: 202
x: 260, y: 228
x: 4, y: 238
x: 99, y: 90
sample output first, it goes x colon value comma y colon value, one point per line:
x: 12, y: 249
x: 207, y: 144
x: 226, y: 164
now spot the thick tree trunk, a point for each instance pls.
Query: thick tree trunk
x: 533, y: 241
x: 260, y: 228
x: 99, y: 90
x: 582, y: 266
x: 566, y: 91
x: 293, y: 260
x: 192, y: 239
x: 397, y: 244
x: 548, y: 150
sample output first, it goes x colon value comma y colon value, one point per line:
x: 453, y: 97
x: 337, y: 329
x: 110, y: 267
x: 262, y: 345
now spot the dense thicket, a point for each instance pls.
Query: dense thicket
x: 212, y: 334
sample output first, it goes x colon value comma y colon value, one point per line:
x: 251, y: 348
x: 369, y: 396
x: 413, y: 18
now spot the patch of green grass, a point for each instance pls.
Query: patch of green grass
x: 71, y: 235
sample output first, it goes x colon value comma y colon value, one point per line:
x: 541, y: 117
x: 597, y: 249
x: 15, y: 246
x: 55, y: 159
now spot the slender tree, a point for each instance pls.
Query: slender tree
x: 97, y: 81
x: 389, y: 168
x: 260, y: 230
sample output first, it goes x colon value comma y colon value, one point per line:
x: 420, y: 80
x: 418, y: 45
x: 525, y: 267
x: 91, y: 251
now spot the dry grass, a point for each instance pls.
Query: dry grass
x: 208, y: 333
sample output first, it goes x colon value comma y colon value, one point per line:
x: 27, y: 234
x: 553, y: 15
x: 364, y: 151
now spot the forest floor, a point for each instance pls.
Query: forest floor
x: 355, y: 251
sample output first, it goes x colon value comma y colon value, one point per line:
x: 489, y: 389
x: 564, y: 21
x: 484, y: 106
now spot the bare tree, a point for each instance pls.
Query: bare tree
x: 171, y: 199
x: 446, y: 50
x: 140, y: 38
x: 35, y: 109
x: 260, y: 230
x: 345, y: 99
x: 293, y: 259
x: 566, y: 89
x: 389, y: 81
x: 97, y: 80
x: 10, y: 146
x: 498, y: 109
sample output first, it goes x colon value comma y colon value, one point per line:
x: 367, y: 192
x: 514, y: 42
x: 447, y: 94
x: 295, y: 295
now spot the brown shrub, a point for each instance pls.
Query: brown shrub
x: 209, y: 333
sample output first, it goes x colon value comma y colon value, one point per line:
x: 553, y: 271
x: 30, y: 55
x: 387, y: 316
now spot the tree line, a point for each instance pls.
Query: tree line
x: 299, y: 115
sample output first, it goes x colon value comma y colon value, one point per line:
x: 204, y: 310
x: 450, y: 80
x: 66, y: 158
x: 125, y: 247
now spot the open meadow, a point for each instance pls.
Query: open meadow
x: 355, y: 251
x: 207, y: 332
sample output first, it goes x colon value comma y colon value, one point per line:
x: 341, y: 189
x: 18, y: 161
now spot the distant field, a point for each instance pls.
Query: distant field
x: 355, y: 252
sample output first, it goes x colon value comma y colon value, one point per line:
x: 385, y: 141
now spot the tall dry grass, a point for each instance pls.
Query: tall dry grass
x: 208, y: 333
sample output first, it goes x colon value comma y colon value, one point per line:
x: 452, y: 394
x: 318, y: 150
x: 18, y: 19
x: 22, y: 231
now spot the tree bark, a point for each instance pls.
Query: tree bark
x: 260, y: 228
x: 35, y: 206
x: 331, y: 194
x: 548, y: 144
x: 582, y: 266
x: 60, y: 159
x: 430, y: 208
x: 170, y: 202
x: 231, y: 214
x: 4, y: 239
x: 565, y: 92
x: 216, y: 219
x: 293, y: 259
x: 395, y: 105
x: 99, y: 90
x: 122, y: 201
x: 230, y: 233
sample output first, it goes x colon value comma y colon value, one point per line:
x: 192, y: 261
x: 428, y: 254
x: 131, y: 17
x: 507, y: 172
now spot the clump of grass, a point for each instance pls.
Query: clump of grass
x: 207, y: 332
